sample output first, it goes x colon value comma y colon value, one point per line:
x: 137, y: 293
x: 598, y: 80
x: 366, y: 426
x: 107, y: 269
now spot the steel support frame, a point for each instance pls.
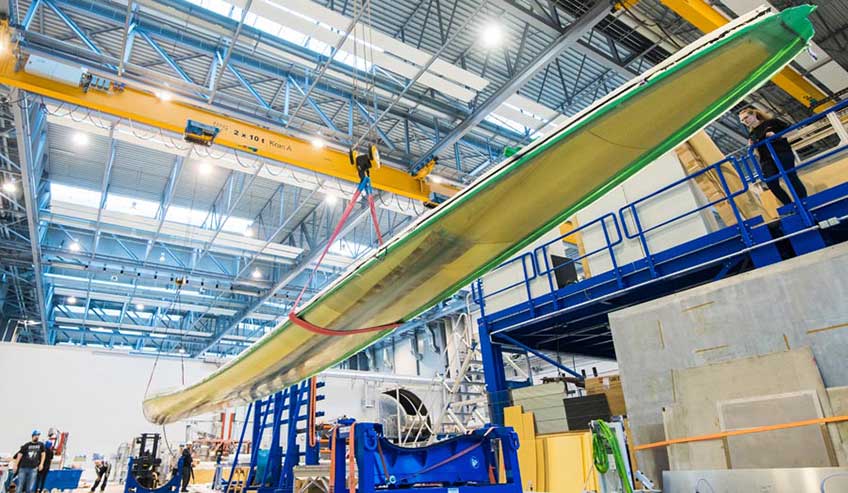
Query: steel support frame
x: 28, y: 122
x: 254, y: 63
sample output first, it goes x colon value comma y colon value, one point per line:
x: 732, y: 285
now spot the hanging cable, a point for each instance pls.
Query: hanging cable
x: 158, y: 353
x: 605, y: 442
x: 364, y: 187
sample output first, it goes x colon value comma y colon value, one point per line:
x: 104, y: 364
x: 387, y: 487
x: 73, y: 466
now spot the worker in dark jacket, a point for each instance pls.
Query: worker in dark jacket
x: 101, y: 468
x: 187, y: 467
x: 761, y: 126
x: 42, y: 474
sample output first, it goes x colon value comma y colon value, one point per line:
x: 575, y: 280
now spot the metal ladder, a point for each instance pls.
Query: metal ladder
x: 465, y: 398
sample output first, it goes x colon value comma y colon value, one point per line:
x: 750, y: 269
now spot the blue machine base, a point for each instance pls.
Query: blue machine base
x: 63, y: 479
x: 463, y: 464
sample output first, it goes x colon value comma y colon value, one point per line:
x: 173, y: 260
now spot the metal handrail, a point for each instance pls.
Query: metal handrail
x: 608, y: 246
x: 717, y: 167
x: 745, y: 164
x: 544, y: 247
x: 477, y: 291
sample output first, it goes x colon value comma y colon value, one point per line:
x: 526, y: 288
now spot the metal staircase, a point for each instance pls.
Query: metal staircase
x: 465, y: 400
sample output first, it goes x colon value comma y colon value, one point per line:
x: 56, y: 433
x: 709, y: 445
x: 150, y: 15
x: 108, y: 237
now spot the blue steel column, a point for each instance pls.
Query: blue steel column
x: 238, y: 447
x: 292, y: 455
x: 493, y: 367
x: 275, y: 452
x: 28, y: 126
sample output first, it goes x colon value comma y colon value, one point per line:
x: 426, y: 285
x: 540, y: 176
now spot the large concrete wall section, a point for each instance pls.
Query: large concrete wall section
x: 796, y: 303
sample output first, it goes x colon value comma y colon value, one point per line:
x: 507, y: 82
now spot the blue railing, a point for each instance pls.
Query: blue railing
x: 717, y: 168
x: 615, y: 226
x: 608, y: 246
x: 524, y: 258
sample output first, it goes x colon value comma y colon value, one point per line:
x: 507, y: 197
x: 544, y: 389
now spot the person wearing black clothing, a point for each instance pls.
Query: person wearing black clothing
x: 42, y: 474
x: 101, y: 467
x: 187, y: 467
x: 30, y: 460
x: 760, y: 127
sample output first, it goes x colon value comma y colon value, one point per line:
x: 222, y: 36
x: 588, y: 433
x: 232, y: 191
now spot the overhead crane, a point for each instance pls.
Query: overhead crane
x: 56, y: 80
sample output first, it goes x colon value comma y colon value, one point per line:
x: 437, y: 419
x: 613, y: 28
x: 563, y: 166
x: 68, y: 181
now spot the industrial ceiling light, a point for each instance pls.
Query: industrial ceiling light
x: 256, y: 273
x: 331, y: 199
x: 139, y: 306
x: 318, y: 142
x: 491, y: 35
x: 164, y: 96
x: 80, y: 139
x: 72, y: 300
x: 436, y: 179
x: 162, y: 257
x: 181, y: 351
x: 204, y: 168
x: 74, y: 246
x: 248, y: 231
x: 10, y: 187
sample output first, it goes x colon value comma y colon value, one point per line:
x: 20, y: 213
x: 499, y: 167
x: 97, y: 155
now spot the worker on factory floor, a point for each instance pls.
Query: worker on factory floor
x: 30, y: 460
x: 42, y: 474
x: 187, y: 467
x: 101, y: 468
x: 761, y: 126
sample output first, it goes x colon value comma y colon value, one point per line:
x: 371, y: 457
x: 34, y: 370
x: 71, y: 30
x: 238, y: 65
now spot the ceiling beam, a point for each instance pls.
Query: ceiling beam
x: 566, y: 39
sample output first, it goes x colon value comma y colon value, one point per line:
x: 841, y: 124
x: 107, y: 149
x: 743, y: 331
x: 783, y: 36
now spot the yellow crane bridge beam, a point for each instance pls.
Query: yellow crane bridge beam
x: 145, y: 107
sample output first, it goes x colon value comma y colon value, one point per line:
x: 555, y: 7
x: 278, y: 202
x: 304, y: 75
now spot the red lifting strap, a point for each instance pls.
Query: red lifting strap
x: 365, y: 185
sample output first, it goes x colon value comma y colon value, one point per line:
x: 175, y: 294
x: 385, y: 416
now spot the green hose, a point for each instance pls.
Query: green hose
x: 605, y: 442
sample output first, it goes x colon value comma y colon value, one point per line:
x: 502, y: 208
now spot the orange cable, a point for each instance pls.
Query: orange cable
x: 351, y: 481
x: 333, y: 458
x: 746, y: 431
x: 313, y: 388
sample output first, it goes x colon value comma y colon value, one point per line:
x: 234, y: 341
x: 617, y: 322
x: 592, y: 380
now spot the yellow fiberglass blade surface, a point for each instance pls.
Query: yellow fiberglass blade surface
x: 508, y: 208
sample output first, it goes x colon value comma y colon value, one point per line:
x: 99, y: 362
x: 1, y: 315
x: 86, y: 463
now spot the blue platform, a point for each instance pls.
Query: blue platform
x: 573, y: 318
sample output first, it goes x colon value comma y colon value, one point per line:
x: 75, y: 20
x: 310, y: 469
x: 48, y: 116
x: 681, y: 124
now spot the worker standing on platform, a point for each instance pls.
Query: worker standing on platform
x: 30, y: 460
x: 187, y: 467
x: 42, y: 474
x: 761, y: 126
x: 101, y: 468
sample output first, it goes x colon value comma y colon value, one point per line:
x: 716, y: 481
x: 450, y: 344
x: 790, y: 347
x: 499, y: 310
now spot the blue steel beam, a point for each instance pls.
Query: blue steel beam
x: 73, y: 27
x: 167, y: 58
x: 540, y: 354
x: 247, y: 85
x: 406, y: 88
x: 285, y: 224
x: 323, y: 66
x: 327, y: 121
x: 370, y: 119
x: 165, y: 204
x: 30, y: 14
